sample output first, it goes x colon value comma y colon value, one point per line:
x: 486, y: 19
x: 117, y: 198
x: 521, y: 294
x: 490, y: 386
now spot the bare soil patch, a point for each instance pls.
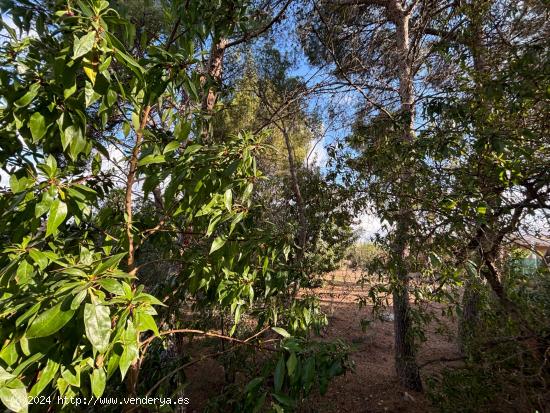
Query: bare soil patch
x: 373, y: 386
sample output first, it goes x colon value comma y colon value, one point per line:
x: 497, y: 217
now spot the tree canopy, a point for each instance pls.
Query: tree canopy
x: 158, y: 183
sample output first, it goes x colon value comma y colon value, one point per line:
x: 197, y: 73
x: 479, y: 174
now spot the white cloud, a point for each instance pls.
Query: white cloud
x: 116, y: 161
x: 317, y: 153
x: 369, y: 224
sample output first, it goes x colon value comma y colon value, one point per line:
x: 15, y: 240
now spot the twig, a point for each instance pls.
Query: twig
x: 250, y: 35
x: 209, y: 334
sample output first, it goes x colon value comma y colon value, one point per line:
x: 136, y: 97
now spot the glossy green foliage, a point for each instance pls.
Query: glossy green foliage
x: 68, y: 306
x: 297, y: 369
x: 109, y: 182
x: 101, y: 137
x: 71, y: 313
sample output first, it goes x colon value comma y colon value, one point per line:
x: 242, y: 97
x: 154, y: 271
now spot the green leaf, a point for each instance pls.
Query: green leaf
x: 308, y: 376
x: 253, y: 384
x: 182, y: 130
x: 50, y: 166
x: 111, y: 285
x: 72, y: 375
x: 114, y: 360
x: 37, y: 125
x: 70, y: 134
x: 97, y: 323
x: 58, y: 212
x: 18, y: 185
x: 281, y: 331
x: 131, y: 349
x: 279, y: 375
x: 5, y: 375
x: 78, y: 144
x: 90, y: 95
x: 286, y: 251
x: 146, y: 322
x: 24, y: 272
x: 149, y: 299
x: 109, y: 263
x: 171, y: 147
x: 83, y: 44
x: 112, y: 97
x: 150, y: 159
x: 248, y: 191
x: 98, y: 380
x: 126, y: 128
x: 77, y: 272
x: 212, y: 225
x: 127, y: 60
x: 259, y: 402
x: 68, y: 91
x: 50, y: 321
x: 9, y: 353
x: 39, y: 258
x: 284, y: 400
x: 192, y: 149
x: 217, y: 244
x: 46, y: 376
x: 44, y: 205
x: 228, y: 199
x: 291, y: 364
x: 27, y: 98
x: 27, y: 314
x: 77, y: 300
x: 14, y: 397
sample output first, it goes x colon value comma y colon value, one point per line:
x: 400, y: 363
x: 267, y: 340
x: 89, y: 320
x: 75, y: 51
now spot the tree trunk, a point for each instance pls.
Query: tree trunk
x: 215, y: 68
x: 405, y: 349
x: 302, y: 234
x: 133, y: 373
x: 471, y: 297
x: 214, y: 71
x: 470, y: 315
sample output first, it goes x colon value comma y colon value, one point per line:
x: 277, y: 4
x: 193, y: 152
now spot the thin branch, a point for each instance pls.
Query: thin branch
x: 207, y: 334
x: 250, y: 35
x: 132, y: 170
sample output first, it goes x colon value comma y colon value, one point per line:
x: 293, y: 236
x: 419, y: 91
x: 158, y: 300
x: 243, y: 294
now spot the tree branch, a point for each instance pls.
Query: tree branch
x: 131, y: 177
x: 250, y: 35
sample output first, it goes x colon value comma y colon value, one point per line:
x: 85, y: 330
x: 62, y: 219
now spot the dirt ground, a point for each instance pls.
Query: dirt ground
x: 373, y: 386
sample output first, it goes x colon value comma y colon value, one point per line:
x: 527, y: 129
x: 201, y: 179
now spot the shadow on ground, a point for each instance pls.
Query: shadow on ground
x: 373, y: 386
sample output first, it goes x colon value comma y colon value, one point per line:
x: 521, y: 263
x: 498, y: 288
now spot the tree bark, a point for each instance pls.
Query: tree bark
x: 215, y: 69
x: 471, y: 297
x: 214, y: 72
x: 302, y: 233
x: 130, y: 179
x: 133, y: 372
x: 470, y: 315
x: 405, y: 349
